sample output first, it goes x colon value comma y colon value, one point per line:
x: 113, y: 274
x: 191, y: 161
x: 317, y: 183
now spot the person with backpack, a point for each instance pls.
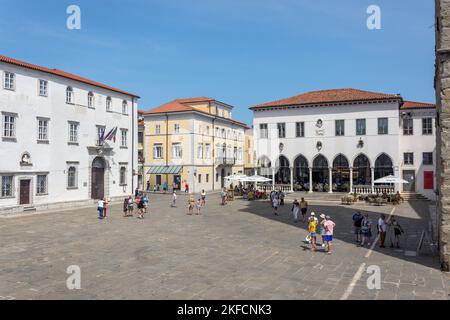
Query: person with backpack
x: 357, y: 219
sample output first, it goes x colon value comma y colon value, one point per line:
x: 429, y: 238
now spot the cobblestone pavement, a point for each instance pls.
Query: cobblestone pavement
x: 240, y: 251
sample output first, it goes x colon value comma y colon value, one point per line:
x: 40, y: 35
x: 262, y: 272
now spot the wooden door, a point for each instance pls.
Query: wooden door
x: 98, y: 183
x: 25, y: 191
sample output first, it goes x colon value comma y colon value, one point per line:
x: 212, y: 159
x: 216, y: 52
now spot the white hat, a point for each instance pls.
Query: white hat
x: 313, y: 214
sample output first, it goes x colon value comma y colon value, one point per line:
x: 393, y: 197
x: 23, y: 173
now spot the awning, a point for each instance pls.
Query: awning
x: 165, y: 170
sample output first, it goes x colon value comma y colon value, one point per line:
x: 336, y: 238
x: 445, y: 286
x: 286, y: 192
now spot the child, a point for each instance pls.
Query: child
x: 130, y: 206
x: 105, y: 203
x: 141, y: 208
x: 191, y: 203
x: 312, y: 228
x: 174, y: 199
x: 203, y: 194
x: 125, y: 207
x: 275, y: 204
x: 199, y: 206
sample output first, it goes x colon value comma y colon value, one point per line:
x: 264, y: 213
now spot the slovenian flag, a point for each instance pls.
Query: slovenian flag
x: 111, y: 135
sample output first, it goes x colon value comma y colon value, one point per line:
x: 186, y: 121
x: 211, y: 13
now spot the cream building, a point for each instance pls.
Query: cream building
x: 192, y: 141
x: 249, y: 154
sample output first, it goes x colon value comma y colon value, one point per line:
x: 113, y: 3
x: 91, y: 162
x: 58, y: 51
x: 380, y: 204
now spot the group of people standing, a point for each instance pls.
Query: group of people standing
x: 198, y: 205
x: 323, y: 228
x: 141, y: 202
x: 277, y: 200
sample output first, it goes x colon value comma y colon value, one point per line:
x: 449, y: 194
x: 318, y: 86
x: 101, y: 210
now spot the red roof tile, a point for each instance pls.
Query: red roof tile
x: 416, y: 105
x: 329, y: 97
x: 62, y: 74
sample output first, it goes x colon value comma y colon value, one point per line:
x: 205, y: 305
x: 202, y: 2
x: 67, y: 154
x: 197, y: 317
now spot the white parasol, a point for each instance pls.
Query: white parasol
x: 390, y: 179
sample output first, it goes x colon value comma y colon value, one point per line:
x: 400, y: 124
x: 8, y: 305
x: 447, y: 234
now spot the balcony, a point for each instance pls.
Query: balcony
x: 225, y: 161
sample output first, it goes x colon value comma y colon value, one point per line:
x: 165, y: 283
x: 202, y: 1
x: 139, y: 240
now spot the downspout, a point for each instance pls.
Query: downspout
x: 132, y: 145
x: 167, y: 148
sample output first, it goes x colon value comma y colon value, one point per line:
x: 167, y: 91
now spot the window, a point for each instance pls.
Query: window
x: 408, y: 128
x: 299, y: 129
x: 207, y: 130
x: 124, y: 136
x: 207, y: 178
x: 339, y: 127
x: 73, y: 132
x: 199, y: 178
x: 360, y: 127
x: 7, y: 186
x: 176, y: 128
x: 69, y: 95
x: 200, y: 151
x: 8, y: 82
x: 176, y: 151
x: 229, y: 134
x: 158, y: 179
x: 383, y: 126
x: 41, y: 184
x: 123, y: 176
x: 240, y: 154
x: 263, y: 132
x: 42, y: 129
x: 72, y: 177
x: 408, y: 158
x: 43, y: 88
x: 100, y: 135
x: 427, y: 158
x: 124, y: 107
x: 207, y: 151
x: 217, y: 132
x: 9, y: 126
x: 140, y: 137
x: 224, y: 135
x: 427, y: 126
x: 235, y: 153
x: 158, y: 129
x: 90, y: 100
x: 108, y: 104
x: 217, y: 177
x: 157, y: 151
x: 281, y: 130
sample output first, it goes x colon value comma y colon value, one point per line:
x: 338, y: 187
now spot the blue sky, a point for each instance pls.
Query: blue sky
x: 242, y: 52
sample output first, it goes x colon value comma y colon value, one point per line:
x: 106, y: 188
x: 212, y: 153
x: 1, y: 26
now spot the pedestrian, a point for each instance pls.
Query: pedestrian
x: 282, y: 196
x: 105, y: 204
x: 395, y: 231
x: 186, y: 187
x: 136, y: 192
x: 321, y: 229
x: 125, y: 207
x: 148, y: 186
x: 164, y: 187
x: 203, y: 194
x: 146, y: 201
x: 357, y: 219
x: 366, y: 230
x: 304, y: 208
x: 100, y: 205
x: 191, y: 205
x: 295, y: 210
x: 130, y: 206
x: 275, y: 205
x: 312, y: 228
x: 382, y: 226
x: 140, y: 207
x: 272, y: 197
x: 223, y: 195
x: 174, y: 199
x: 199, y: 206
x: 328, y: 225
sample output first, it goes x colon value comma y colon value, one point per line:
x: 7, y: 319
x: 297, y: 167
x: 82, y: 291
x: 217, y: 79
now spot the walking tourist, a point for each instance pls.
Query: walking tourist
x: 223, y: 195
x: 321, y: 229
x: 382, y: 226
x: 275, y: 205
x: 146, y: 201
x: 174, y: 199
x: 125, y: 207
x: 148, y: 186
x: 186, y: 187
x: 272, y: 197
x: 395, y: 231
x: 304, y: 208
x: 191, y: 205
x: 140, y: 207
x: 312, y: 228
x: 100, y: 205
x: 164, y: 187
x: 136, y: 192
x: 295, y: 210
x: 366, y: 230
x: 282, y: 196
x: 130, y: 206
x: 328, y: 237
x: 203, y: 194
x: 357, y: 219
x: 199, y: 206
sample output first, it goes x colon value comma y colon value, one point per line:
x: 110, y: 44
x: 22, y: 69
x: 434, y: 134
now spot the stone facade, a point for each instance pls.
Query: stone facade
x: 443, y: 132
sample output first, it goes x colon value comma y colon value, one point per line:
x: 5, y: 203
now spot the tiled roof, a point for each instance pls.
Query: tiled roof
x: 416, y: 105
x: 182, y: 105
x: 329, y: 97
x: 62, y: 74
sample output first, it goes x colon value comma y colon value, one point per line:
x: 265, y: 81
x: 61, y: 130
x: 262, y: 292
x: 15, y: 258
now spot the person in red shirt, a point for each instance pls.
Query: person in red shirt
x: 186, y: 187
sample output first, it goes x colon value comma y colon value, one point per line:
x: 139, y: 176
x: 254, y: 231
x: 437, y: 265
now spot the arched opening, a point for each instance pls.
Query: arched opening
x: 320, y: 174
x: 264, y: 165
x: 98, y: 178
x: 283, y: 174
x: 341, y: 174
x: 301, y: 173
x: 383, y: 166
x: 361, y: 171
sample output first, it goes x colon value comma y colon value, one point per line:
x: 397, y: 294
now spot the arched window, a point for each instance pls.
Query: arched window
x: 123, y: 176
x: 72, y: 177
x: 90, y: 100
x: 264, y: 165
x: 108, y: 104
x: 124, y: 107
x: 69, y: 95
x: 301, y: 170
x: 361, y: 170
x: 383, y: 166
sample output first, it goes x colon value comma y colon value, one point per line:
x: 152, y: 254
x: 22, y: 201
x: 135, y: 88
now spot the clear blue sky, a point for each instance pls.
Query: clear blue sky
x: 240, y: 52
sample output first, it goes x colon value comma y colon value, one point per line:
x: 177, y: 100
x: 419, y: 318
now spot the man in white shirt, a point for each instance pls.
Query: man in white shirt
x: 100, y: 206
x: 382, y: 226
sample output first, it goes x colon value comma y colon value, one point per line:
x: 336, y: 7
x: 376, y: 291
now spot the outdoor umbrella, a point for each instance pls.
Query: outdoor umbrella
x: 390, y: 179
x: 236, y: 177
x: 256, y: 178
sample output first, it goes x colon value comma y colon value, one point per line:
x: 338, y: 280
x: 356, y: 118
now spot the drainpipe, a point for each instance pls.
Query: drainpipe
x: 132, y: 144
x: 213, y: 152
x: 167, y: 148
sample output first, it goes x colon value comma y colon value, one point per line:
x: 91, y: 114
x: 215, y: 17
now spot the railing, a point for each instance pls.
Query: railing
x: 377, y: 189
x: 225, y: 161
x: 279, y: 187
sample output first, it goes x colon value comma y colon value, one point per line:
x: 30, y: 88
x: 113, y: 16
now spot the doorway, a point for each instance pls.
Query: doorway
x: 410, y: 176
x: 98, y: 178
x: 24, y: 192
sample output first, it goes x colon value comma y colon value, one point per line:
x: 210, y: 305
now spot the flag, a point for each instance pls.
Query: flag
x: 111, y: 135
x: 101, y: 139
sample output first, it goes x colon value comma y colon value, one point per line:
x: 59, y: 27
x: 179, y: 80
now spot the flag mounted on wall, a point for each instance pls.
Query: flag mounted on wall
x: 111, y: 135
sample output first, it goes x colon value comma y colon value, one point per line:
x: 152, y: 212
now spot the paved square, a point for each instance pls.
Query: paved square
x: 240, y: 251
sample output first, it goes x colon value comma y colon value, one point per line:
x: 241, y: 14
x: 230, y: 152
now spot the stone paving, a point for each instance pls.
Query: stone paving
x: 240, y: 251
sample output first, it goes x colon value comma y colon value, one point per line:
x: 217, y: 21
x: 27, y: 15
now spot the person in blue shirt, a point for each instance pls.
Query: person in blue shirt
x: 146, y: 201
x: 357, y: 219
x: 164, y: 186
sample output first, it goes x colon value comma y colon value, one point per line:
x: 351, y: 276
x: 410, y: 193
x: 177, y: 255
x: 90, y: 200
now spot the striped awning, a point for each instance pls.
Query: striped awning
x: 165, y: 170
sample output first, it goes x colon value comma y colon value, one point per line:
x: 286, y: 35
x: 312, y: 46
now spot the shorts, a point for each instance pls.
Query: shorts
x: 357, y: 230
x: 328, y: 238
x: 304, y: 211
x: 312, y: 234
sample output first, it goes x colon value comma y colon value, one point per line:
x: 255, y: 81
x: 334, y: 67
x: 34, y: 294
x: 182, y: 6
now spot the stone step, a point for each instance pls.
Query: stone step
x: 29, y: 209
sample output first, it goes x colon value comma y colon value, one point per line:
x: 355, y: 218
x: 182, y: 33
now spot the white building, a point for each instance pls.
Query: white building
x: 352, y: 136
x: 50, y: 153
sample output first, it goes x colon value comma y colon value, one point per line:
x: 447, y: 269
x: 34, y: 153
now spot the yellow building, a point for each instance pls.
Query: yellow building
x: 249, y: 153
x: 192, y: 141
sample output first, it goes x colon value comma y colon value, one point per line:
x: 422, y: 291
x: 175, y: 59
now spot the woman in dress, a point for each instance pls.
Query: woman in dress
x: 295, y: 210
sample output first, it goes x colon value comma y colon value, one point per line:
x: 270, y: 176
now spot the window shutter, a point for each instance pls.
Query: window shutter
x: 428, y: 182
